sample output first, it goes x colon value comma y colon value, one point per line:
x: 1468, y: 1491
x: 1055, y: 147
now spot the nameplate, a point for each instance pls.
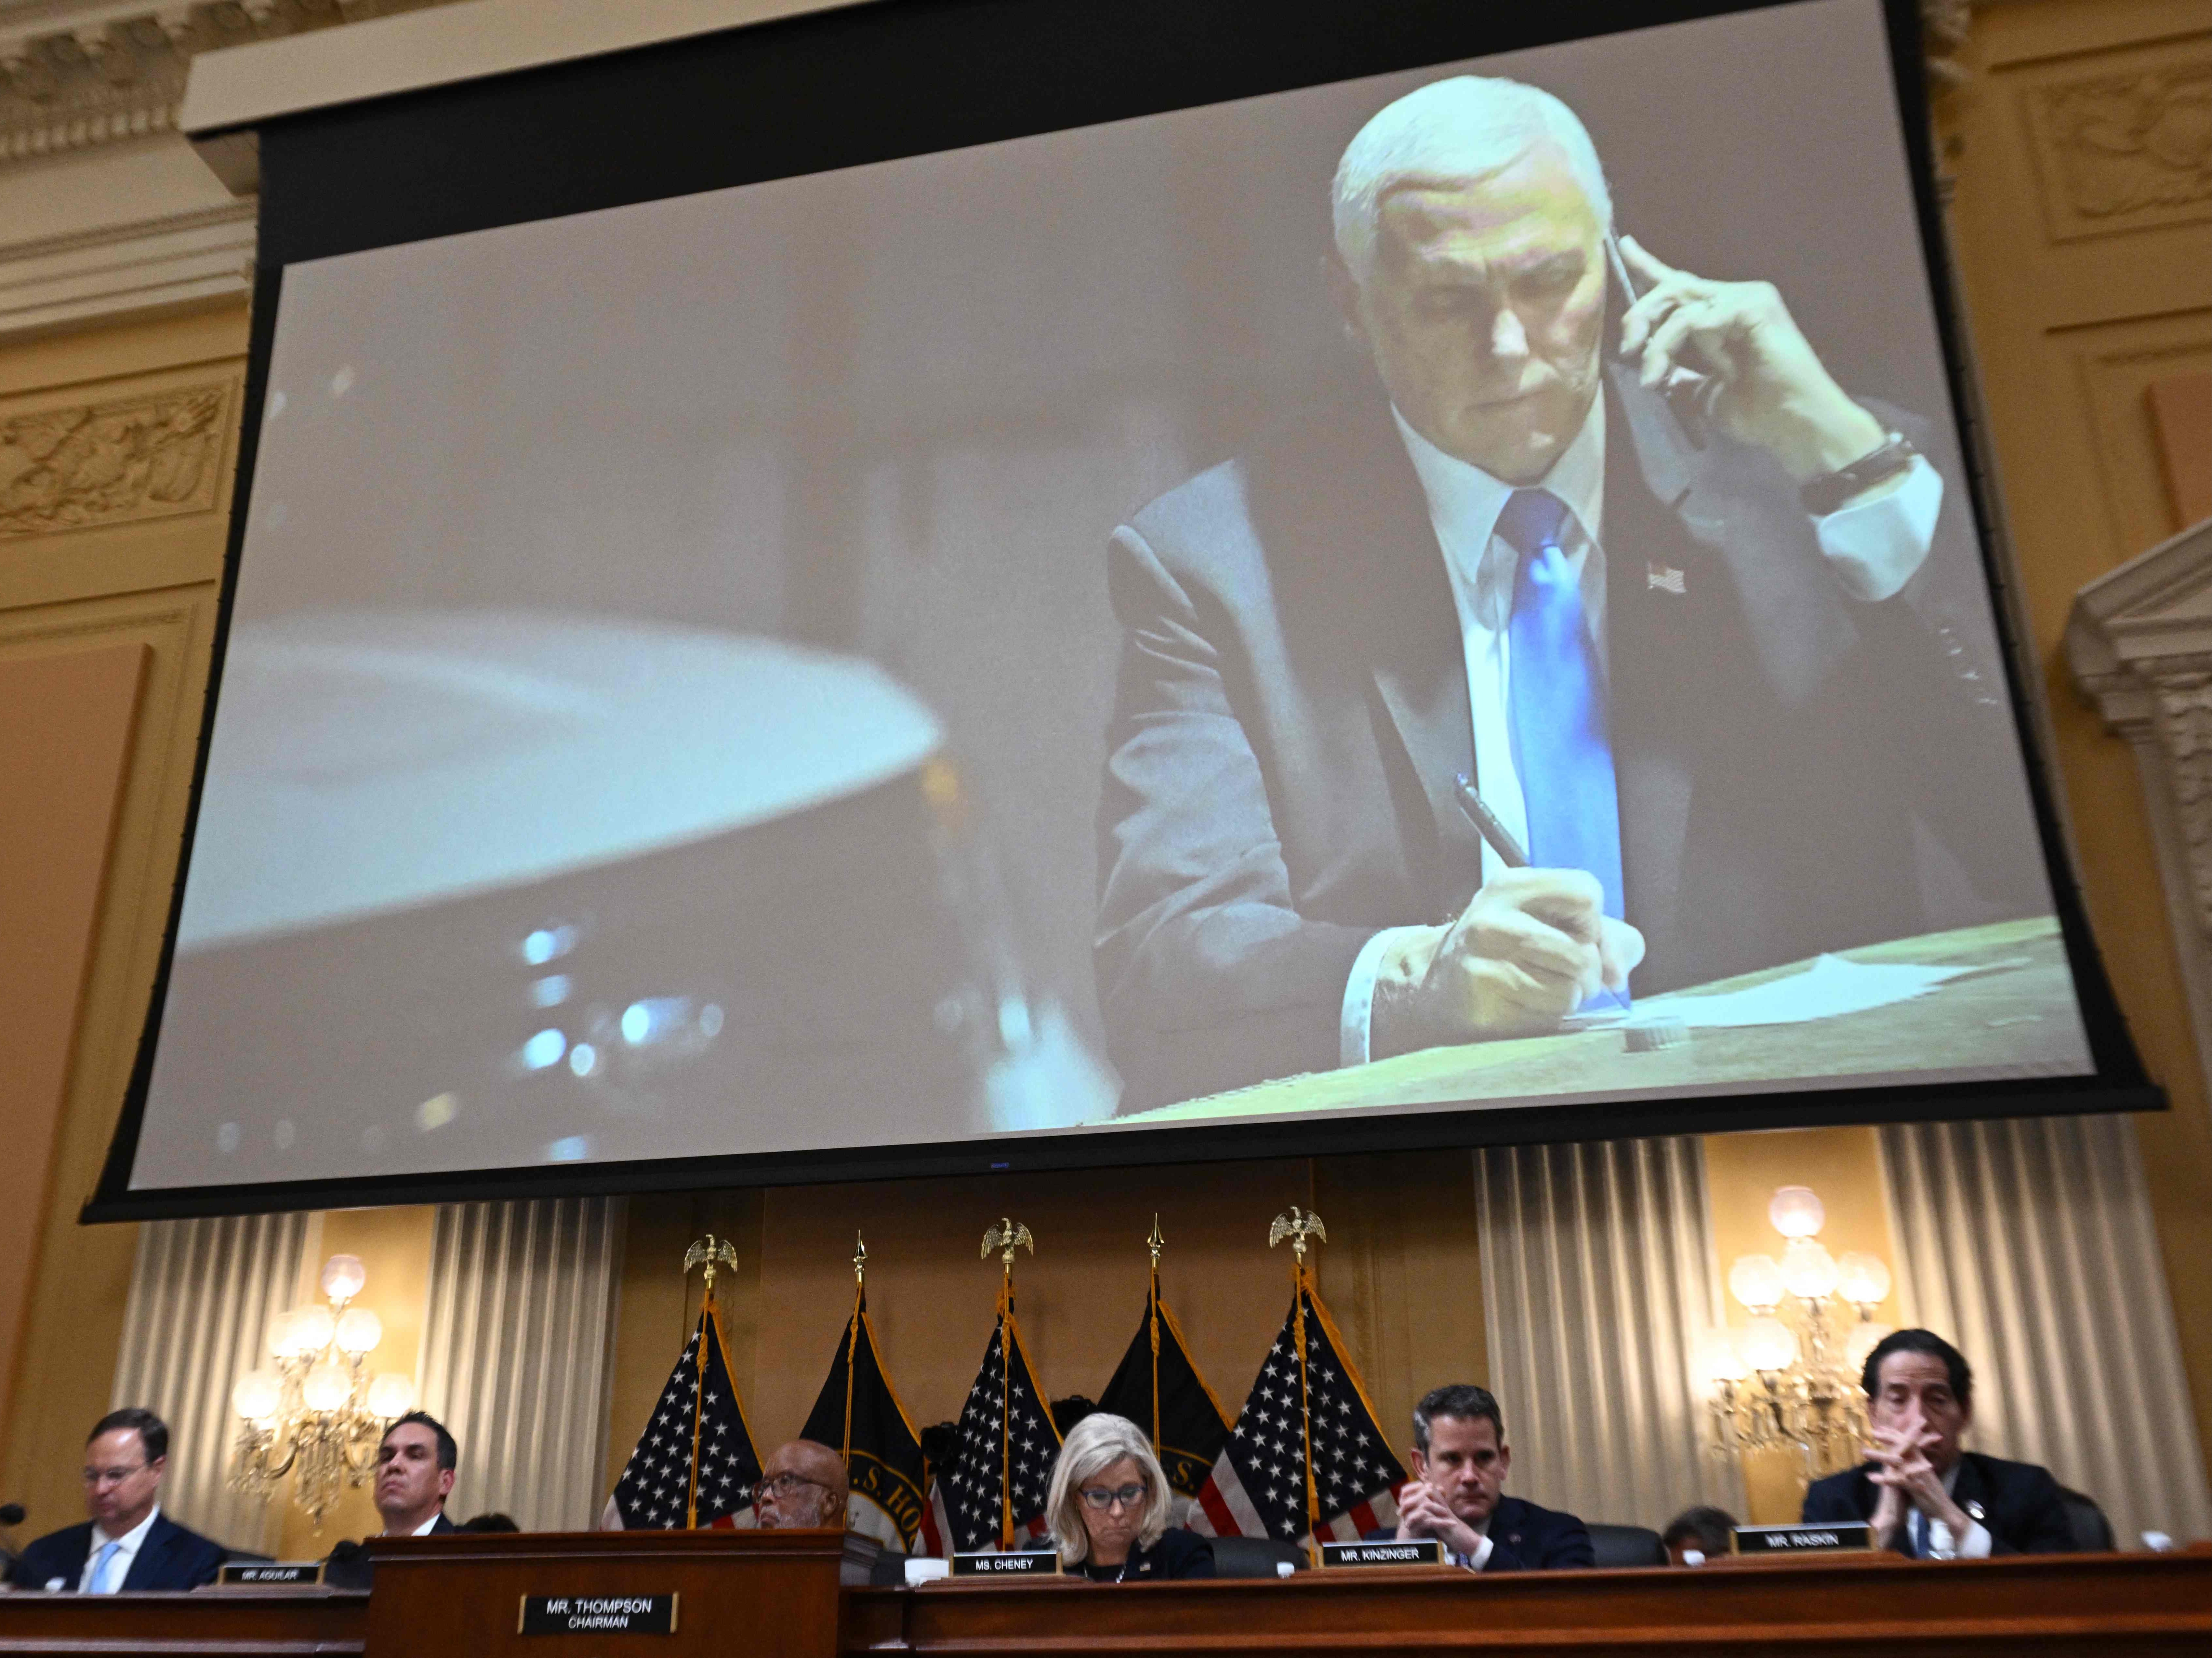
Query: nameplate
x: 598, y: 1614
x: 1413, y: 1552
x: 271, y: 1571
x: 1804, y: 1538
x: 1015, y: 1562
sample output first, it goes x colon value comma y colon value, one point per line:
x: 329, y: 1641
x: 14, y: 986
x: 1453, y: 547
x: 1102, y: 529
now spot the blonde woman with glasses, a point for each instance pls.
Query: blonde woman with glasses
x: 1108, y: 1508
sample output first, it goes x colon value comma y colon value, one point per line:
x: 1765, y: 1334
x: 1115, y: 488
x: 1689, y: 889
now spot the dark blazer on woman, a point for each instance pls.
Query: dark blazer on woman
x: 1179, y: 1553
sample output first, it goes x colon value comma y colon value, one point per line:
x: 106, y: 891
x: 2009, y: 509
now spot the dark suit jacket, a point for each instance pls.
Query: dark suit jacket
x: 1525, y: 1538
x: 1292, y: 705
x: 350, y: 1566
x: 2018, y: 1503
x: 171, y: 1557
x: 1179, y: 1553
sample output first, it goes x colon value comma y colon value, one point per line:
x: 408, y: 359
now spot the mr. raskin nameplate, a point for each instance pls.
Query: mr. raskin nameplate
x: 598, y: 1614
x: 1013, y: 1563
x: 1814, y: 1539
x: 1413, y: 1552
x: 271, y: 1571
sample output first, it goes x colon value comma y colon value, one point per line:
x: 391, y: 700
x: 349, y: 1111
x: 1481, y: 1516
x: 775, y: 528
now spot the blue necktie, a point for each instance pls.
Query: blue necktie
x: 100, y: 1583
x: 1555, y: 703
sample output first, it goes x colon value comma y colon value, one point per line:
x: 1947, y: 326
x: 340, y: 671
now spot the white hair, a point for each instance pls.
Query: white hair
x: 1098, y: 1442
x: 1449, y: 131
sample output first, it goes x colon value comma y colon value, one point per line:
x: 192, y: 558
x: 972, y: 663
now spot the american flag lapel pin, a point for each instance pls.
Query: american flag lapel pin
x: 1664, y: 578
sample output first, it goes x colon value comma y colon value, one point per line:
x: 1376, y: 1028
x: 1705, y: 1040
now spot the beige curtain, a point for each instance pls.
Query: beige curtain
x: 517, y: 1350
x: 2029, y: 1244
x: 202, y: 1295
x: 1598, y: 1273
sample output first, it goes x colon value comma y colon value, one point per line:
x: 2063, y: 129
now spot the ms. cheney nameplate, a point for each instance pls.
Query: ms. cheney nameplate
x: 1011, y: 1563
x: 1804, y: 1539
x: 1413, y: 1552
x: 598, y: 1614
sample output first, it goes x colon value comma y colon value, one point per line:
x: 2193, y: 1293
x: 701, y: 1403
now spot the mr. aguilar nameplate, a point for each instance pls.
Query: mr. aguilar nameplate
x: 1413, y: 1552
x: 272, y: 1572
x: 1819, y: 1539
x: 598, y: 1614
x: 1013, y: 1563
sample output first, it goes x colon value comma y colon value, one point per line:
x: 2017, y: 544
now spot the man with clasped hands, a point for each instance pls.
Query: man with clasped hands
x: 1707, y: 664
x: 1924, y: 1495
x: 1460, y: 1460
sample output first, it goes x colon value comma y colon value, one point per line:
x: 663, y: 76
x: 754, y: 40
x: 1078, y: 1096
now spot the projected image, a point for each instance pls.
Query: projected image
x: 1448, y: 590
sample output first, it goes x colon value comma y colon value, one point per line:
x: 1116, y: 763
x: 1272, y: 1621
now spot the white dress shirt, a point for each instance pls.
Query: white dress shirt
x: 1873, y: 546
x: 1974, y: 1545
x: 126, y: 1552
x: 1481, y: 1557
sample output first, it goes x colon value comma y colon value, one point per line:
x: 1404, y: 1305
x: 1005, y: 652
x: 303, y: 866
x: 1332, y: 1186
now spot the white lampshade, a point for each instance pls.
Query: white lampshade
x: 1864, y: 1280
x: 1809, y: 1269
x: 1796, y: 1211
x: 1717, y: 1359
x: 256, y: 1395
x: 1756, y: 1281
x: 1865, y: 1337
x: 326, y: 1387
x: 343, y: 1276
x: 359, y: 1330
x: 1768, y: 1344
x: 312, y: 1329
x: 391, y: 1394
x: 284, y: 1335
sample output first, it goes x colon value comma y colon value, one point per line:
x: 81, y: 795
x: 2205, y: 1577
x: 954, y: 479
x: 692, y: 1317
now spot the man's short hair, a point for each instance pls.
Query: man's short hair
x: 1462, y: 1401
x: 1920, y: 1341
x: 150, y: 1428
x: 1449, y: 131
x: 449, y: 1449
x: 1711, y: 1529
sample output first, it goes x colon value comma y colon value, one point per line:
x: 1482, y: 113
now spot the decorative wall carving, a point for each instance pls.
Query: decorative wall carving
x: 147, y: 456
x: 2125, y: 149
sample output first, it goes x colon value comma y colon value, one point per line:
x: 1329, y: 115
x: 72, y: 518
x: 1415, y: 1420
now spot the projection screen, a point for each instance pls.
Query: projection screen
x: 971, y: 659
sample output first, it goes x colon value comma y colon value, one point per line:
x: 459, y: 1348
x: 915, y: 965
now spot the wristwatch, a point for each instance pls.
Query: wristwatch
x: 1824, y: 494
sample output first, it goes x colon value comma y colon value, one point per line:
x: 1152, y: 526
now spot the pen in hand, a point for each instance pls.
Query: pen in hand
x: 1512, y: 856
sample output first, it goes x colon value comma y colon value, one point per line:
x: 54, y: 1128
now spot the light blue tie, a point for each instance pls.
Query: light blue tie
x: 102, y: 1567
x: 1556, y: 704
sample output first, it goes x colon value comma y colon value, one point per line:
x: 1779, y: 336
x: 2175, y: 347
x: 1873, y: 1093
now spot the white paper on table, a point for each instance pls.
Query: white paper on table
x: 1830, y: 986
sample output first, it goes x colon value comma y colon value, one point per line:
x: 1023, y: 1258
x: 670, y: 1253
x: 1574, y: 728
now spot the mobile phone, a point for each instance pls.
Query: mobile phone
x: 1689, y: 394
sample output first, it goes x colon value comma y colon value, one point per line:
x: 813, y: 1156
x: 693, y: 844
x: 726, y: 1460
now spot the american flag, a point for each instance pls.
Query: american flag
x: 695, y: 1464
x: 992, y: 1494
x: 1306, y: 1393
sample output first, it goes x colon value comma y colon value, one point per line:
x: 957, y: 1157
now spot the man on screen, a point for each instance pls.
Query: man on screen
x: 1707, y: 653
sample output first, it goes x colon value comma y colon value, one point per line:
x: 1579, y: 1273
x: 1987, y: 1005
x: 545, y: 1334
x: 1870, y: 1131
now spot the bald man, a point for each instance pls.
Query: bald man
x: 802, y: 1484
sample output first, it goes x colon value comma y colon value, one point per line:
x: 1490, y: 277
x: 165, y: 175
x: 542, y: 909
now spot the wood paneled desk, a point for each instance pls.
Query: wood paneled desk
x: 752, y: 1597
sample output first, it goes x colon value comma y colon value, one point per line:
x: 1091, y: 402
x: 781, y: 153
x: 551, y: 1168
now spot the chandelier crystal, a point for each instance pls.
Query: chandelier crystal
x: 319, y: 1415
x: 1789, y: 1379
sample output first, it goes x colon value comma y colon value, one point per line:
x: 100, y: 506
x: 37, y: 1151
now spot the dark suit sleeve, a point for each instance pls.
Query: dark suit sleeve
x: 2033, y: 1518
x: 1567, y: 1545
x: 1185, y: 1554
x: 1208, y: 978
x: 204, y: 1563
x: 1829, y: 1502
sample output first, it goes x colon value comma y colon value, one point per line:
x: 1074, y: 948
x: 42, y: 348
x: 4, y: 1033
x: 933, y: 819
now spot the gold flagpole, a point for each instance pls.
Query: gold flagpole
x: 1155, y: 1243
x: 852, y: 1337
x: 1005, y: 1237
x: 1299, y: 1228
x: 710, y: 1252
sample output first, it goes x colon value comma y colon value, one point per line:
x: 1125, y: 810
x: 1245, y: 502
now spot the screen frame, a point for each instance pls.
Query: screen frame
x: 826, y: 90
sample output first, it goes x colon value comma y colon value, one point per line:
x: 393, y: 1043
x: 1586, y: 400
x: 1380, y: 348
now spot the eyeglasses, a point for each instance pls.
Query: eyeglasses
x: 785, y: 1485
x: 1129, y: 1496
x: 113, y: 1476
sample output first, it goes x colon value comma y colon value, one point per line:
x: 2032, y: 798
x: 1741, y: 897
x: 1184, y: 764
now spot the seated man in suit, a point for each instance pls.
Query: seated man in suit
x: 1460, y: 1461
x: 416, y: 1465
x: 1717, y: 666
x: 127, y: 1544
x: 1924, y: 1495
